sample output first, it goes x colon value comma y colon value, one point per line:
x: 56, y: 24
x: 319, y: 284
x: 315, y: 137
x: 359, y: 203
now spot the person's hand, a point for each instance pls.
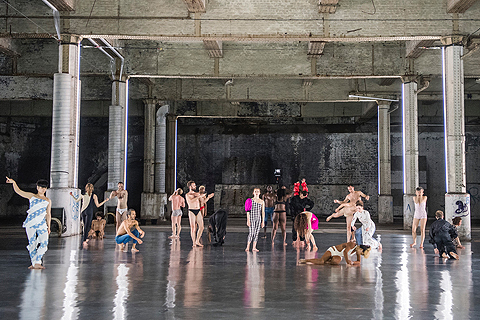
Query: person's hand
x: 355, y: 228
x: 366, y: 229
x: 142, y: 234
x: 211, y: 195
x: 367, y: 197
x: 248, y: 222
x: 336, y: 201
x: 435, y: 250
x: 48, y: 229
x: 71, y: 193
x: 10, y: 180
x: 336, y: 210
x: 139, y: 241
x: 263, y: 224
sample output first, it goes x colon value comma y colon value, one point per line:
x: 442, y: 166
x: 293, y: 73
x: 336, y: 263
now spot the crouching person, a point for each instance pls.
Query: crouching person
x: 125, y: 234
x: 98, y: 227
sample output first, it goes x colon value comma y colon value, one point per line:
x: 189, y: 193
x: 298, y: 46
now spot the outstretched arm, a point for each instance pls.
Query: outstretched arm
x: 95, y: 199
x: 76, y: 199
x: 364, y: 195
x: 19, y: 191
x: 346, y: 200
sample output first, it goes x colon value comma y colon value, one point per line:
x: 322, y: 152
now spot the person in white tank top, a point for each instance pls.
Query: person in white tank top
x: 420, y: 216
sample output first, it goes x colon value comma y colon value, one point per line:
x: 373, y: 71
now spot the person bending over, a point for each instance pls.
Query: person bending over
x: 218, y: 227
x: 441, y: 234
x: 457, y: 222
x: 98, y: 227
x: 334, y: 254
x: 125, y: 234
x: 304, y: 224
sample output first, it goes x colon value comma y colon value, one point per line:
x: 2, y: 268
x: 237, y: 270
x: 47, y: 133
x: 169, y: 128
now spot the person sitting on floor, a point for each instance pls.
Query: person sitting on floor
x: 125, y: 233
x: 457, y: 222
x: 98, y: 227
x: 334, y: 254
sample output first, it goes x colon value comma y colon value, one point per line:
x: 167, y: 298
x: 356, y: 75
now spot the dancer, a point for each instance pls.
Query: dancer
x: 269, y: 198
x: 296, y: 187
x: 305, y: 223
x: 203, y: 200
x: 364, y: 235
x: 37, y: 223
x: 98, y: 227
x: 121, y: 212
x: 457, y: 222
x: 177, y: 204
x: 347, y: 207
x: 280, y: 214
x: 334, y: 254
x: 218, y: 227
x: 441, y: 234
x: 193, y: 201
x: 255, y: 219
x: 89, y: 200
x: 125, y: 234
x: 299, y: 204
x: 420, y: 216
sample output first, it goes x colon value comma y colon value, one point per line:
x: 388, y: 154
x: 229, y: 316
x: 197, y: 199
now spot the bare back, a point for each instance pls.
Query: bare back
x: 177, y: 202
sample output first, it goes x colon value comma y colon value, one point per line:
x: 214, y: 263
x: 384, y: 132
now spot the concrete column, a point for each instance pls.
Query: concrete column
x: 160, y: 150
x: 385, y: 199
x: 65, y: 136
x: 117, y: 135
x: 410, y: 150
x: 457, y: 201
x: 149, y: 150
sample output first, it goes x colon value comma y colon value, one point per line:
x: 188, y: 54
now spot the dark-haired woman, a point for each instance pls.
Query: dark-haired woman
x: 305, y: 223
x: 37, y: 224
x: 365, y: 234
x: 90, y: 202
x: 334, y: 254
x: 280, y: 214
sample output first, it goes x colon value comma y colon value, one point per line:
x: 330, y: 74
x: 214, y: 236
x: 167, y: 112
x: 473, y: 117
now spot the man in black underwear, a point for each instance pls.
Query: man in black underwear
x: 193, y: 201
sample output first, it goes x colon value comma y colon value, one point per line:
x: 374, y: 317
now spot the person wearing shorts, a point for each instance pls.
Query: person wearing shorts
x: 178, y: 202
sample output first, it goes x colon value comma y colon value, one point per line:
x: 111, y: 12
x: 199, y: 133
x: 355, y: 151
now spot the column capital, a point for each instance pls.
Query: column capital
x: 383, y: 104
x: 148, y: 101
x: 452, y: 40
x: 410, y: 78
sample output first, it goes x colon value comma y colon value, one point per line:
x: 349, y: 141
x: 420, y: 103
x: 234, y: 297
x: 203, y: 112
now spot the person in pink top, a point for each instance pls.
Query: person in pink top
x: 178, y: 202
x: 305, y: 223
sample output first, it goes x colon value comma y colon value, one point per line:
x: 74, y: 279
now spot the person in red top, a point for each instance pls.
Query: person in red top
x: 297, y: 185
x: 177, y: 203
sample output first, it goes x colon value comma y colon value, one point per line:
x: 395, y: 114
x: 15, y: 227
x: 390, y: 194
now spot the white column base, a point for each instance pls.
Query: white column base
x: 458, y: 205
x: 70, y: 220
x: 408, y: 211
x: 153, y: 205
x: 385, y: 209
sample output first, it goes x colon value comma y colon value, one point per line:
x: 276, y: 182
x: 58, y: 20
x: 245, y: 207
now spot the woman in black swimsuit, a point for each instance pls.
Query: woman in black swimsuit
x: 280, y: 214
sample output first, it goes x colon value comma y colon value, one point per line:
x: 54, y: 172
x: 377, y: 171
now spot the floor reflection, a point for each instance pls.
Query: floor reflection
x: 254, y: 290
x: 32, y: 306
x: 402, y: 308
x: 121, y: 295
x: 70, y: 309
x: 173, y: 274
x: 194, y: 278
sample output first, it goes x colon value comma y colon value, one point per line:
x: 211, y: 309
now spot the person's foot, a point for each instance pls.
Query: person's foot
x: 254, y: 250
x: 85, y: 244
x: 38, y: 267
x: 135, y: 250
x: 444, y: 255
x: 246, y: 250
x: 285, y: 244
x: 121, y: 246
x: 198, y: 244
x: 31, y: 267
x: 454, y: 255
x: 460, y: 247
x: 413, y: 244
x: 421, y: 247
x: 172, y: 237
x: 307, y: 248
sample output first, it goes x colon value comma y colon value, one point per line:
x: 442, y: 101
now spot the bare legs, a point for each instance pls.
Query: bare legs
x: 194, y: 233
x: 325, y: 259
x: 280, y: 218
x: 176, y: 226
x: 349, y: 227
x: 275, y: 225
x: 423, y: 223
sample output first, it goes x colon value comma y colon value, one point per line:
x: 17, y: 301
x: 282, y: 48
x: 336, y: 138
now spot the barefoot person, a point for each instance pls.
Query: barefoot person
x: 177, y: 204
x: 194, y: 216
x: 269, y: 198
x: 299, y: 204
x: 89, y: 202
x: 305, y: 222
x: 334, y: 254
x: 125, y: 234
x: 203, y: 200
x: 347, y: 207
x: 420, y: 216
x: 457, y: 222
x: 255, y: 219
x: 98, y: 227
x: 280, y: 214
x: 37, y: 224
x: 364, y: 235
x: 441, y: 234
x: 122, y: 195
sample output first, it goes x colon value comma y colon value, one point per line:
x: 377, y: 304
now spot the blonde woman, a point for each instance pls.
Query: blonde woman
x: 89, y: 200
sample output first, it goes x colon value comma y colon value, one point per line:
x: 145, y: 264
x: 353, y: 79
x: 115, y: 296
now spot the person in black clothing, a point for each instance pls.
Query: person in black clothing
x: 218, y: 227
x: 298, y: 204
x: 441, y: 234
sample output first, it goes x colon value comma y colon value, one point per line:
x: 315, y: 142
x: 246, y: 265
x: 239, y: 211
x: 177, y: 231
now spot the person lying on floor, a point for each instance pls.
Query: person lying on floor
x: 334, y: 254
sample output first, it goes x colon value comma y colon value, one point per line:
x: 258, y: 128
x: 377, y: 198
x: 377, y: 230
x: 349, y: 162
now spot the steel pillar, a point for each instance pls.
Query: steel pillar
x: 65, y: 136
x: 149, y: 146
x: 385, y: 199
x: 457, y: 201
x: 410, y: 150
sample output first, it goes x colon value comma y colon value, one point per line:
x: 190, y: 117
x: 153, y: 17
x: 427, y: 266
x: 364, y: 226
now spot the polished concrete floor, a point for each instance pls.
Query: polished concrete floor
x: 171, y: 280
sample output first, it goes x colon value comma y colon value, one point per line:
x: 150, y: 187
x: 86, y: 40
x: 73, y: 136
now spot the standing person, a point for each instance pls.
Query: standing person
x: 89, y: 202
x: 122, y: 208
x: 196, y: 219
x: 457, y: 222
x: 299, y: 204
x: 37, y: 223
x: 347, y: 207
x: 280, y: 214
x: 177, y: 204
x: 419, y: 216
x: 125, y: 234
x: 255, y: 219
x: 441, y: 234
x: 269, y: 199
x: 296, y: 187
x: 305, y: 222
x: 365, y: 234
x: 203, y: 200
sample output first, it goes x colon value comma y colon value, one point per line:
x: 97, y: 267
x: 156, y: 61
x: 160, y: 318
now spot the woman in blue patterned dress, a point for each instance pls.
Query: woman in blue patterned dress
x: 37, y: 224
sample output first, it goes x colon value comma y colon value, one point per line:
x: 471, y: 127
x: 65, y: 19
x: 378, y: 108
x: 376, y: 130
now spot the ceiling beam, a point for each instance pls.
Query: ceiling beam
x: 414, y: 49
x: 459, y: 6
x: 327, y: 6
x: 195, y: 5
x: 214, y: 48
x: 315, y: 48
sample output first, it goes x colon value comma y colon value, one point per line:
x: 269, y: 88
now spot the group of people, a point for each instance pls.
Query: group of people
x: 271, y: 206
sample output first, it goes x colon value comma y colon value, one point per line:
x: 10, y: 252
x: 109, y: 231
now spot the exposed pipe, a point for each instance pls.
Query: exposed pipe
x: 105, y: 52
x: 56, y: 17
x: 161, y: 148
x: 117, y: 54
x: 426, y: 84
